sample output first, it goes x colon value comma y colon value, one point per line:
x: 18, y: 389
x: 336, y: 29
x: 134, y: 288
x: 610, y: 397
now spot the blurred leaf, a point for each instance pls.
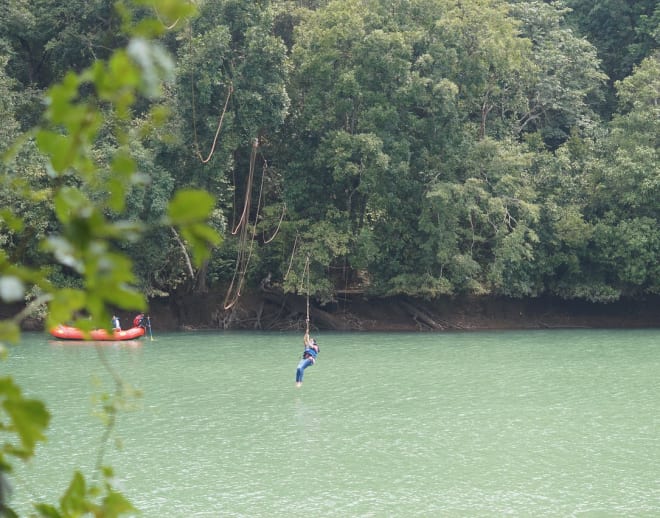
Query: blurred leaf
x: 65, y: 303
x: 155, y: 63
x: 201, y: 237
x: 56, y: 146
x: 64, y: 252
x: 11, y: 288
x: 60, y: 96
x: 123, y: 164
x: 9, y: 331
x: 115, y: 504
x: 13, y: 222
x: 73, y: 502
x: 47, y: 511
x: 189, y: 206
x: 29, y: 416
x: 117, y: 188
x: 68, y: 202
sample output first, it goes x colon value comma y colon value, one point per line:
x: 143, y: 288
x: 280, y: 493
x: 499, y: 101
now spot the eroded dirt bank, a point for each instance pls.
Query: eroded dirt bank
x: 269, y: 311
x: 277, y: 312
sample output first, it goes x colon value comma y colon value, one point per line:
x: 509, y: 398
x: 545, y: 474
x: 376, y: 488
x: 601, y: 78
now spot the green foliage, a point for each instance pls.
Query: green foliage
x: 624, y: 33
x: 513, y: 271
x: 489, y: 219
x: 97, y: 101
x: 629, y: 251
x: 230, y: 94
x: 81, y: 499
x: 189, y: 210
x: 391, y: 103
x: 27, y: 418
x: 626, y: 175
x: 411, y: 147
x: 566, y: 77
x: 69, y: 139
x: 641, y: 90
x: 620, y: 30
x: 448, y: 146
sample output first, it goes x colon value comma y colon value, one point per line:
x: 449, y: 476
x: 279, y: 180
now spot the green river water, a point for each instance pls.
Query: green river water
x: 515, y: 423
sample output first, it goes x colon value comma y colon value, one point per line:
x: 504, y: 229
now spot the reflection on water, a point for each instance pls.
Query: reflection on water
x: 550, y: 423
x: 96, y: 343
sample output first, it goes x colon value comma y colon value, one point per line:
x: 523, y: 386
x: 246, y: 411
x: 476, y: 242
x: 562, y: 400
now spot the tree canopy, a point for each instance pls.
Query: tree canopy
x: 418, y: 147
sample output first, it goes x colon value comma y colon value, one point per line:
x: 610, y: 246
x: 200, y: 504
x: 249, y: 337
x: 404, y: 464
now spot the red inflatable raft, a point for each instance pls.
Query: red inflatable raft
x: 73, y: 333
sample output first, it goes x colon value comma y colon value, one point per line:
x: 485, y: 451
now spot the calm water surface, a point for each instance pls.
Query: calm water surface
x: 540, y: 423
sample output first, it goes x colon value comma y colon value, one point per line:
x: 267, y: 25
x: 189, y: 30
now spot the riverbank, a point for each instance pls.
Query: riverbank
x: 356, y: 313
x: 279, y: 312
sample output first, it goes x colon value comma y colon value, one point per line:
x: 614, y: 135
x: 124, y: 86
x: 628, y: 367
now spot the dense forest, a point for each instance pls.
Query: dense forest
x: 420, y: 148
x: 385, y: 147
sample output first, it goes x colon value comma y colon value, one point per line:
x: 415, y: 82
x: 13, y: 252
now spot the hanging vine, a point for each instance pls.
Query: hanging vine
x: 230, y: 90
x: 245, y: 240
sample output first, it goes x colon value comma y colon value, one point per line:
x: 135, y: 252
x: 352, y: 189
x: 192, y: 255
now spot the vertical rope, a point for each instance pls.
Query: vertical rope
x: 230, y: 90
x: 293, y: 253
x: 244, y: 253
x: 307, y: 271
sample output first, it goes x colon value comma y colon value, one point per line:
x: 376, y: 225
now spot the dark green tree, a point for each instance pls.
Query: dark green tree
x: 48, y: 37
x: 624, y: 33
x: 230, y: 99
x: 600, y: 233
x: 566, y: 79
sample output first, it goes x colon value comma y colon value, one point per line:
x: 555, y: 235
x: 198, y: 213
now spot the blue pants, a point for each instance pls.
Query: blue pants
x: 301, y: 367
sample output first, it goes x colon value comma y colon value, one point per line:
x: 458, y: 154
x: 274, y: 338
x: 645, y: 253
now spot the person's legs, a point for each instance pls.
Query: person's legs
x: 301, y: 368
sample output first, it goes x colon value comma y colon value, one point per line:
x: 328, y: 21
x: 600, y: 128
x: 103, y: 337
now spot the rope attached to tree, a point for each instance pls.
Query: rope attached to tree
x: 245, y: 252
x: 279, y: 224
x: 293, y: 253
x: 194, y: 113
x: 217, y: 131
x: 307, y: 272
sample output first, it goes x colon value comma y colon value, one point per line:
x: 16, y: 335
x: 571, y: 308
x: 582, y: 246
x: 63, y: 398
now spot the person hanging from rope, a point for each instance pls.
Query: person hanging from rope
x: 311, y: 347
x: 308, y: 358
